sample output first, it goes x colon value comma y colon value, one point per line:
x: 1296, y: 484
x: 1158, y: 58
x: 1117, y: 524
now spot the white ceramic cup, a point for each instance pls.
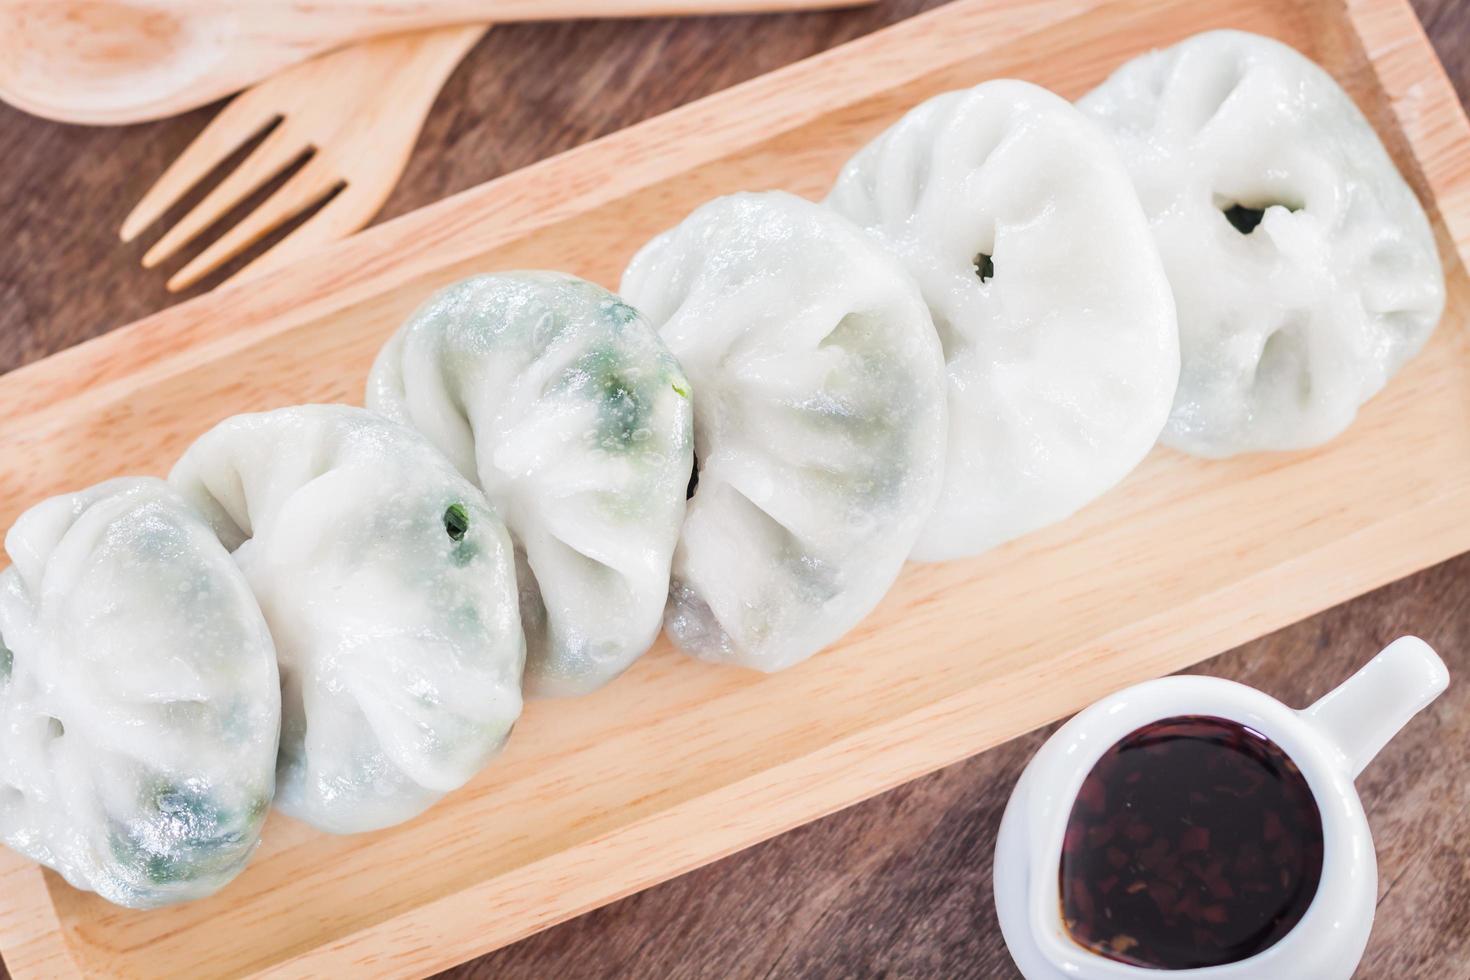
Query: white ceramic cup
x: 1330, y: 742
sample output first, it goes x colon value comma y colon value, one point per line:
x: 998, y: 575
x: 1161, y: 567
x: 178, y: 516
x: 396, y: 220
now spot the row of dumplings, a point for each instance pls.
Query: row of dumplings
x: 1002, y: 305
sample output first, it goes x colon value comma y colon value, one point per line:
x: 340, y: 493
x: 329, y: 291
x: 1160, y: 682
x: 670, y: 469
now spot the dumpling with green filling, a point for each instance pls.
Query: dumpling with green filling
x: 1016, y: 217
x: 562, y: 403
x: 389, y: 587
x: 139, y: 704
x: 1304, y: 267
x: 819, y: 422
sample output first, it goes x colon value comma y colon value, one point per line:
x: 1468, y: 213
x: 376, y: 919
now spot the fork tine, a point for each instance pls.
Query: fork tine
x: 343, y: 215
x: 234, y: 126
x: 305, y: 188
x: 275, y: 153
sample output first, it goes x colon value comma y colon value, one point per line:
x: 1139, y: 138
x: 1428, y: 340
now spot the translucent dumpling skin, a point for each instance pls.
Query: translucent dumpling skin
x: 562, y: 403
x: 1018, y: 221
x: 389, y: 587
x: 1303, y: 266
x: 139, y: 704
x: 819, y: 422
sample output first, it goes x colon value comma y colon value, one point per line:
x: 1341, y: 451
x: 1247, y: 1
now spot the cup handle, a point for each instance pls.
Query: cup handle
x: 1362, y: 713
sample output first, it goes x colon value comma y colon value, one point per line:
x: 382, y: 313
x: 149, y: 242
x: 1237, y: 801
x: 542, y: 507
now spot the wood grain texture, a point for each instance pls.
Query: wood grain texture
x: 345, y: 150
x: 527, y: 92
x: 899, y: 885
x: 110, y: 62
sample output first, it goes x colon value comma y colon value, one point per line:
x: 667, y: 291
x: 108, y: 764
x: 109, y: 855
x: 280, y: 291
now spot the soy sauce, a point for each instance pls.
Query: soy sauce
x: 1194, y: 842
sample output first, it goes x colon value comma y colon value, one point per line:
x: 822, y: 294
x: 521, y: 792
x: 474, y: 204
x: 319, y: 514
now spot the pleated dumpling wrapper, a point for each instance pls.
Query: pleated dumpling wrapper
x: 388, y: 584
x: 819, y: 422
x: 139, y: 706
x: 1304, y: 268
x: 1017, y: 218
x: 561, y: 402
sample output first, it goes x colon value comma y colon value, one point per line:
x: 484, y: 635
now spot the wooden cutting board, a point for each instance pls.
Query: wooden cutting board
x: 679, y: 763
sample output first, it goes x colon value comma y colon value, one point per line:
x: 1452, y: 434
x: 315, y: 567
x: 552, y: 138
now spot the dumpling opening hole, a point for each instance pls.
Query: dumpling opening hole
x: 984, y: 267
x: 54, y: 728
x: 693, y: 480
x: 7, y: 661
x: 456, y: 522
x: 1244, y: 218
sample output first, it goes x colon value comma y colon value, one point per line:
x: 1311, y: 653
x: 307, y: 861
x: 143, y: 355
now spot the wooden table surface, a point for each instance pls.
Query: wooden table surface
x: 899, y: 885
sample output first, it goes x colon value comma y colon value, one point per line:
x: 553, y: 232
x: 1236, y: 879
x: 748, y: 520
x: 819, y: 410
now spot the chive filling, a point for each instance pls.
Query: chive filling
x: 456, y: 522
x: 984, y: 267
x: 1244, y: 219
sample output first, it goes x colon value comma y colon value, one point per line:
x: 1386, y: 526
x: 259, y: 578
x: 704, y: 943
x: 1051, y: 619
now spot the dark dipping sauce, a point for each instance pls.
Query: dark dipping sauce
x: 1194, y: 842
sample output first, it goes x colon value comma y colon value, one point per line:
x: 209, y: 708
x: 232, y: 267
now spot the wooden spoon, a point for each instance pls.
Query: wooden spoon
x: 108, y: 62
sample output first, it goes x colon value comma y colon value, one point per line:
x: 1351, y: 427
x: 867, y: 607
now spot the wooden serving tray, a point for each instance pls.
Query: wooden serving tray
x: 678, y: 763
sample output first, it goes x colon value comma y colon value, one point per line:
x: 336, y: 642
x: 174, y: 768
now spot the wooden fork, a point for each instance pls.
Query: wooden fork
x: 354, y: 114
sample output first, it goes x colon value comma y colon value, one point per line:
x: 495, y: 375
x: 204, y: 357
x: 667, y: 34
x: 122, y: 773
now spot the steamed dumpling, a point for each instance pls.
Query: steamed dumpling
x: 1304, y: 268
x: 1018, y: 221
x: 388, y: 584
x: 560, y: 401
x: 139, y: 705
x: 819, y: 422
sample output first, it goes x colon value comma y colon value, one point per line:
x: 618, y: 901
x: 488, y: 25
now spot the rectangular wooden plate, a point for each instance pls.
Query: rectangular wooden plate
x: 678, y: 763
